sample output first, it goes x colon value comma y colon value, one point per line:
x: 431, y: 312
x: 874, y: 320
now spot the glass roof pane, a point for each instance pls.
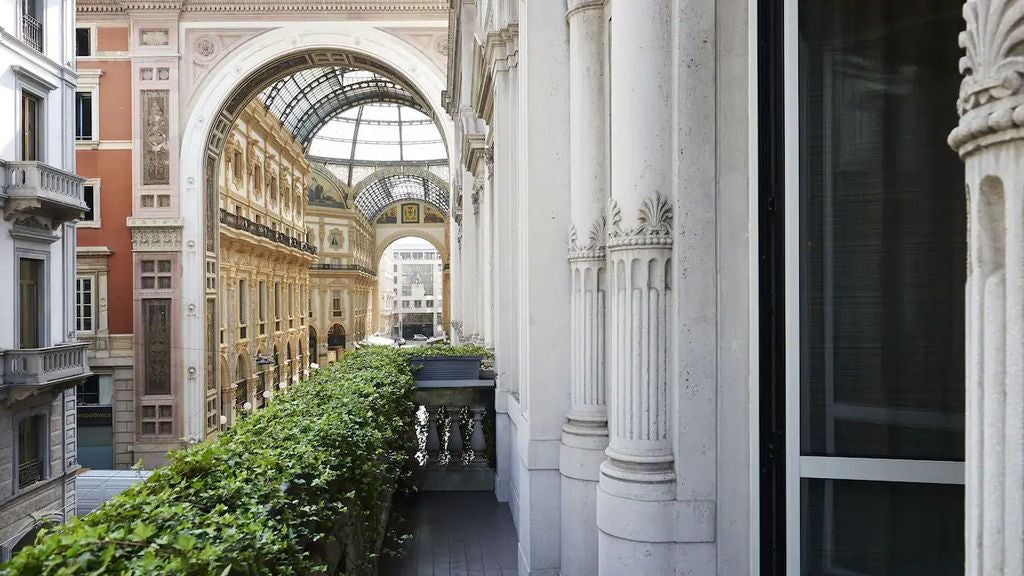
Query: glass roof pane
x: 423, y: 151
x: 377, y: 152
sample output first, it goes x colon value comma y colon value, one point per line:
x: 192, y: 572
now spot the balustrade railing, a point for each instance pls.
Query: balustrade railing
x: 352, y: 267
x: 36, y: 180
x: 32, y: 32
x: 263, y: 231
x: 42, y: 366
x: 30, y: 472
x: 455, y: 429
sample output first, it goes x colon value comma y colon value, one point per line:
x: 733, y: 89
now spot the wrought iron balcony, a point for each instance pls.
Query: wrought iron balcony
x: 37, y: 188
x: 263, y: 231
x: 32, y: 32
x: 40, y: 368
x: 30, y: 472
x: 352, y: 267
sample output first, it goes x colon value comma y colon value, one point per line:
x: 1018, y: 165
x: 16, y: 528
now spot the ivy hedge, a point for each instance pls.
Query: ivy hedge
x: 299, y: 487
x: 448, y: 350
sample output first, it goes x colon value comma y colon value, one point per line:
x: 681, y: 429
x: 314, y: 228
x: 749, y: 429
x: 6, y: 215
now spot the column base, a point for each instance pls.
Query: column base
x: 580, y: 458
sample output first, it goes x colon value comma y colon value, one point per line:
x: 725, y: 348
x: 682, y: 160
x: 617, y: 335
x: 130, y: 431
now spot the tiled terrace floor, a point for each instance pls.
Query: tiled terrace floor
x: 455, y: 534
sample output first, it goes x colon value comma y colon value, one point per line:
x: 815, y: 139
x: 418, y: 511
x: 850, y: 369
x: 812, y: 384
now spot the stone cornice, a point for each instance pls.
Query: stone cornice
x: 211, y: 6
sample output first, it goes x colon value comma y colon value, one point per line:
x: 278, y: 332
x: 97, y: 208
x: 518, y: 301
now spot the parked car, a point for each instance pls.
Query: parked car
x: 420, y: 338
x: 400, y: 341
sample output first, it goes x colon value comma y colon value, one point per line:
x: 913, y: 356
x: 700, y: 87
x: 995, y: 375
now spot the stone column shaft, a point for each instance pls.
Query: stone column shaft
x: 585, y: 435
x: 636, y: 510
x: 989, y: 139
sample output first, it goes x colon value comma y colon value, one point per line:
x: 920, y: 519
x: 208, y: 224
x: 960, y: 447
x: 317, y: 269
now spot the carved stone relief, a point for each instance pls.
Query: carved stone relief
x: 154, y: 37
x: 155, y: 132
x: 653, y: 227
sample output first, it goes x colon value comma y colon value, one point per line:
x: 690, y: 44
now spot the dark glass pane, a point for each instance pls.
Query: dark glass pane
x: 83, y: 46
x: 881, y: 528
x: 882, y: 228
x: 83, y: 116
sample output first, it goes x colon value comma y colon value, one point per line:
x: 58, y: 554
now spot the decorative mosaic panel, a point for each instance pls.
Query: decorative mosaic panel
x: 156, y: 317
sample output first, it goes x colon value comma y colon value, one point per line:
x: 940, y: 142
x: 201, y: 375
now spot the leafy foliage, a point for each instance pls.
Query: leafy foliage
x: 449, y: 350
x: 262, y: 496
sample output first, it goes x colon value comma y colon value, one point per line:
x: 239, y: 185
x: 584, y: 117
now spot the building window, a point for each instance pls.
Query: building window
x: 31, y: 126
x: 83, y: 42
x: 83, y: 116
x: 430, y: 303
x: 873, y: 356
x: 157, y: 419
x: 156, y: 275
x: 277, y: 306
x: 156, y: 346
x: 243, y: 309
x: 91, y: 195
x: 30, y: 302
x: 32, y: 24
x: 417, y: 303
x: 84, y: 300
x: 31, y: 450
x: 261, y: 306
x: 97, y: 390
x: 336, y: 309
x: 236, y: 165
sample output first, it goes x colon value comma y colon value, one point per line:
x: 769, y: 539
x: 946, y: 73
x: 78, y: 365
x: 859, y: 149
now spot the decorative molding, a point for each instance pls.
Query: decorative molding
x: 478, y: 190
x: 155, y: 133
x: 653, y: 228
x: 596, y: 238
x: 155, y: 234
x: 989, y: 100
x: 194, y: 6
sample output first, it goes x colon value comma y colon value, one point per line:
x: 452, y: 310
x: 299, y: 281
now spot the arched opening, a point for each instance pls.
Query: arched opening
x: 291, y: 365
x: 411, y: 285
x: 339, y: 70
x: 313, y: 350
x: 336, y: 337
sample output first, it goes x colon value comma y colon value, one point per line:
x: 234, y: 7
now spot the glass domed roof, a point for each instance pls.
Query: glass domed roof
x: 354, y: 116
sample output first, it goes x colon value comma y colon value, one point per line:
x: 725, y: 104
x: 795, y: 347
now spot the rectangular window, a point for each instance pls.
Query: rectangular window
x: 97, y: 390
x: 83, y: 42
x: 155, y: 274
x: 90, y: 193
x: 243, y: 309
x: 31, y: 450
x: 84, y: 299
x: 336, y: 309
x: 157, y: 419
x: 277, y: 305
x: 31, y: 120
x: 430, y: 303
x: 30, y: 302
x: 83, y: 116
x: 156, y: 319
x: 32, y: 24
x: 417, y: 303
x: 873, y: 353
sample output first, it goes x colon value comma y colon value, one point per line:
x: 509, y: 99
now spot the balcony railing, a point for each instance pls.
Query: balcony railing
x: 456, y: 431
x: 30, y: 472
x: 32, y: 32
x: 37, y: 187
x: 352, y: 267
x: 263, y: 231
x: 40, y: 367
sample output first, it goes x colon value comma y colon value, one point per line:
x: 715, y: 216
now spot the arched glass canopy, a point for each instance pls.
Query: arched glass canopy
x: 388, y: 187
x: 379, y: 132
x: 310, y: 99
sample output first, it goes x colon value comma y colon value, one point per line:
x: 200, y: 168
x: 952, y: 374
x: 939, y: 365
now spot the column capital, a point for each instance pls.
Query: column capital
x: 991, y: 101
x: 653, y: 226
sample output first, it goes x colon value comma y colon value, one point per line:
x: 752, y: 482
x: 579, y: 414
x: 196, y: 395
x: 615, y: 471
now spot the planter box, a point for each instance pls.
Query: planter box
x: 447, y: 367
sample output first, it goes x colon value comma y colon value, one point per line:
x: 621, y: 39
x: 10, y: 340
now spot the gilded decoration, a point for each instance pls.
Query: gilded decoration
x: 155, y: 131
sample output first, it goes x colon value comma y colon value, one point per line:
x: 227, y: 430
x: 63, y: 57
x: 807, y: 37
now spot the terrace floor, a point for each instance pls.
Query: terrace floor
x: 455, y: 534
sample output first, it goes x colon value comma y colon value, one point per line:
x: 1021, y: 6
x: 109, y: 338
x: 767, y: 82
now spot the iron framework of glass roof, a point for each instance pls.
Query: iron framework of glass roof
x: 391, y: 186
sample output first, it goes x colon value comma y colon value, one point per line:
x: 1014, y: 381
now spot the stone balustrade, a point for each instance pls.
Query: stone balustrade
x: 35, y: 187
x: 455, y: 428
x: 40, y: 367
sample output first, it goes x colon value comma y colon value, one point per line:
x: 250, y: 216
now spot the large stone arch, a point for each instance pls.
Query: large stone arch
x: 252, y: 64
x: 435, y: 234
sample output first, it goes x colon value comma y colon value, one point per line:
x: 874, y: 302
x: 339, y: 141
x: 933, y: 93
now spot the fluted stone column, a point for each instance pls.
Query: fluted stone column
x: 990, y: 139
x: 470, y: 274
x: 635, y: 511
x: 585, y: 435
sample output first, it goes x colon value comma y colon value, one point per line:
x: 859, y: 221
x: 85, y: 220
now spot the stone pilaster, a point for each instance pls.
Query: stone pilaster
x: 636, y: 507
x: 990, y: 139
x: 585, y: 435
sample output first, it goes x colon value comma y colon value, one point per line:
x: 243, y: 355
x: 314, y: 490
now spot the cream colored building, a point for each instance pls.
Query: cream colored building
x: 264, y: 263
x: 343, y: 283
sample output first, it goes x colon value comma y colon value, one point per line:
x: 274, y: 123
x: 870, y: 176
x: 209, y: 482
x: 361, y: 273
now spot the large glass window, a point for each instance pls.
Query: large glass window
x: 31, y: 450
x: 30, y: 296
x: 84, y: 298
x: 31, y: 118
x: 877, y: 425
x: 83, y: 116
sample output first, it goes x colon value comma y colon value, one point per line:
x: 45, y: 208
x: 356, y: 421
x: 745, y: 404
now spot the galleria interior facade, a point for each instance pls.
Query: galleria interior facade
x: 745, y: 318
